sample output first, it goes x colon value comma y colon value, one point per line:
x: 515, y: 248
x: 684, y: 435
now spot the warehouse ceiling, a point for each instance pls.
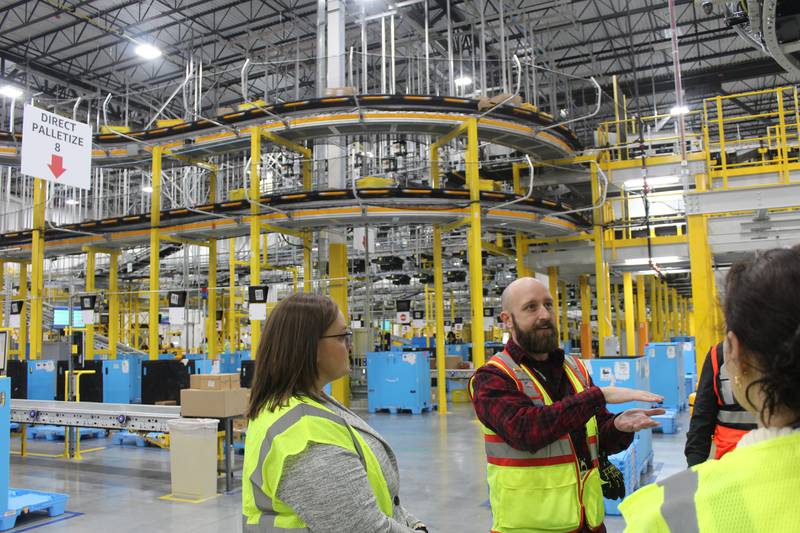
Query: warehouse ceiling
x: 59, y: 50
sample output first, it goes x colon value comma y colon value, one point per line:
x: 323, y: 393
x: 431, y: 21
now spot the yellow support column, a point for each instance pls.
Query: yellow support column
x: 586, y: 317
x: 91, y: 263
x: 212, y: 344
x: 255, y: 230
x: 474, y: 246
x: 2, y: 290
x: 37, y: 266
x: 641, y: 314
x: 702, y: 284
x: 113, y: 304
x: 564, y: 321
x: 438, y: 289
x: 211, y: 319
x: 617, y: 314
x: 136, y: 333
x: 601, y: 270
x: 155, y: 256
x: 337, y: 268
x: 665, y: 324
x: 232, y: 295
x: 307, y: 267
x: 630, y: 331
x: 676, y: 314
x: 552, y: 276
x: 23, y: 313
x: 520, y: 244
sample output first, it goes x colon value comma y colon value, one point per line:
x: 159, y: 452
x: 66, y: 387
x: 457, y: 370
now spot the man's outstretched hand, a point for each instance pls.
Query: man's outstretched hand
x: 637, y: 419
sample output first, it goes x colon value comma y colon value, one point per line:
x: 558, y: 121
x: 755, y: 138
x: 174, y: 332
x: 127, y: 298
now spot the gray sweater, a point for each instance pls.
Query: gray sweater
x: 327, y: 485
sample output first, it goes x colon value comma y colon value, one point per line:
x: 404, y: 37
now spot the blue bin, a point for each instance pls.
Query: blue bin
x: 41, y: 380
x: 631, y: 372
x: 135, y: 363
x: 397, y: 380
x: 117, y: 381
x: 626, y: 462
x: 667, y: 376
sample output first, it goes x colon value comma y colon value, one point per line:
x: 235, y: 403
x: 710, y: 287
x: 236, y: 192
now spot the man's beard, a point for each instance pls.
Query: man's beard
x: 536, y: 340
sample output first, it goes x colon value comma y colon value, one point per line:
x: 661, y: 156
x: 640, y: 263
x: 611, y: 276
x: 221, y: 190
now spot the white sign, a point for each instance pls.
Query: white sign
x: 417, y: 323
x: 177, y: 316
x: 87, y: 315
x: 622, y: 370
x: 403, y: 317
x: 56, y: 149
x: 360, y: 239
x: 257, y: 311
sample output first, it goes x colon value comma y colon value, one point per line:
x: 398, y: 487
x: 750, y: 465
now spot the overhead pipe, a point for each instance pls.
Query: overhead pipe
x: 599, y: 92
x: 523, y: 198
x: 247, y: 99
x: 165, y: 104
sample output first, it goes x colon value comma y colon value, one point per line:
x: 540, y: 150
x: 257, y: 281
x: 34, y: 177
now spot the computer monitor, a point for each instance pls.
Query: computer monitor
x: 61, y: 317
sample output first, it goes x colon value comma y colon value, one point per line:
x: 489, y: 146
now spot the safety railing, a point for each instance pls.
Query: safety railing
x: 752, y: 133
x: 631, y: 137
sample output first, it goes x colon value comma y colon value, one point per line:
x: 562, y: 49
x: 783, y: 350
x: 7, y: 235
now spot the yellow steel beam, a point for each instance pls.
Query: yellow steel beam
x: 155, y: 248
x: 208, y: 165
x: 447, y: 137
x: 337, y: 266
x: 307, y: 266
x: 438, y: 289
x: 521, y: 244
x: 586, y: 317
x: 255, y: 230
x: 277, y: 229
x: 37, y: 266
x: 232, y: 295
x: 113, y: 304
x: 212, y: 344
x: 655, y: 312
x: 564, y: 321
x: 2, y: 289
x: 601, y: 269
x: 23, y: 314
x: 492, y: 248
x: 702, y: 284
x: 641, y: 313
x: 181, y: 240
x: 474, y: 242
x: 643, y: 241
x: 617, y: 313
x: 555, y: 240
x: 91, y: 263
x: 552, y: 278
x: 447, y: 228
x: 676, y: 314
x: 286, y: 143
x: 630, y: 332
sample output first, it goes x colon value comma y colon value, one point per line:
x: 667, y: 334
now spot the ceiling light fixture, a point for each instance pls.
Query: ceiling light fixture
x: 147, y: 188
x: 679, y: 110
x: 148, y: 51
x: 463, y: 81
x: 72, y: 201
x: 658, y: 181
x: 11, y: 91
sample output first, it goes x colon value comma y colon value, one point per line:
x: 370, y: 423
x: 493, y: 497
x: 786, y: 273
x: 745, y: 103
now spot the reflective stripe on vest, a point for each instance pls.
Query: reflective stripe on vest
x: 287, y: 432
x: 570, y: 496
x: 558, y: 452
x: 729, y: 412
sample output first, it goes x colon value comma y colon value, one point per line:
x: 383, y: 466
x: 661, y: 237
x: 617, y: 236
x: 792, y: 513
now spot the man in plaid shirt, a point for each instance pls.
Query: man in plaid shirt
x: 513, y: 418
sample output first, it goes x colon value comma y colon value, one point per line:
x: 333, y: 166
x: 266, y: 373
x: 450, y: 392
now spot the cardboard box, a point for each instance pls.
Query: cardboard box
x: 214, y: 403
x: 452, y: 361
x: 215, y: 381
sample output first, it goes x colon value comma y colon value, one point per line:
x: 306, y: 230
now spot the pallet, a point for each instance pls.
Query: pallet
x: 22, y: 501
x: 126, y: 438
x: 397, y: 410
x: 57, y: 433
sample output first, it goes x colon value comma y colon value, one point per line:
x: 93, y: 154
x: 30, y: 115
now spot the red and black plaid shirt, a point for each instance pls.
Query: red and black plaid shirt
x: 507, y: 411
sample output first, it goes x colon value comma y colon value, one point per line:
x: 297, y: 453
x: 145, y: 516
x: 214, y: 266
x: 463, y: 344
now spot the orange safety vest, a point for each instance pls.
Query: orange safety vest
x: 732, y: 420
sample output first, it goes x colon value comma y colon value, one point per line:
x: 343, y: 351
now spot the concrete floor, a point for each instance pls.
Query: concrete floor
x: 441, y: 458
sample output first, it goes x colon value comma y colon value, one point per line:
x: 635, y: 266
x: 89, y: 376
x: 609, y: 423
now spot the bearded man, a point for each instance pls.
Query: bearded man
x: 546, y: 426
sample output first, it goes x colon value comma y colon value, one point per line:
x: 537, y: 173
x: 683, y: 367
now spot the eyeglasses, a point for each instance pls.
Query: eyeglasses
x: 347, y: 336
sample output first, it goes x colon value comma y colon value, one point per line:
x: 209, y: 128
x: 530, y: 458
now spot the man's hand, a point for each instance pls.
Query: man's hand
x: 637, y: 419
x: 623, y: 395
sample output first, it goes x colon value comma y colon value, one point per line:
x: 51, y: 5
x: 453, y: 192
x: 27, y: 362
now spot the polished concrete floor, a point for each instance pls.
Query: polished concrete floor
x: 441, y: 460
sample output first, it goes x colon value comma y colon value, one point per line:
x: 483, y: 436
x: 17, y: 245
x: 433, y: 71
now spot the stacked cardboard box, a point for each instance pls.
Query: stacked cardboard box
x: 215, y: 396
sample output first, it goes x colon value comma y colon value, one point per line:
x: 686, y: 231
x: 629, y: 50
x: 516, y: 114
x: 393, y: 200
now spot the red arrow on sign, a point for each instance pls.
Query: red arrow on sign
x: 57, y: 165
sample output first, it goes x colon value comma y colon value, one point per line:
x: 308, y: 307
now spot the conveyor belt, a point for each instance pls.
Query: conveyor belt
x: 306, y: 210
x: 95, y: 415
x: 515, y: 127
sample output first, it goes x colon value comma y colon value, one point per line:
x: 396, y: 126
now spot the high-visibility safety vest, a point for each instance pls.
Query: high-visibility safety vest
x: 753, y: 489
x: 733, y: 421
x: 272, y: 438
x: 543, y: 491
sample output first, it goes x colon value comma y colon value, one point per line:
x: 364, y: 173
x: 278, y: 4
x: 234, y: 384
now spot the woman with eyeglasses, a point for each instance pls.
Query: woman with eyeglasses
x: 310, y: 463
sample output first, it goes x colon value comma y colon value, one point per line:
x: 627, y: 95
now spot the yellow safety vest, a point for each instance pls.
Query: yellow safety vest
x: 544, y: 491
x: 272, y: 438
x: 753, y: 489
